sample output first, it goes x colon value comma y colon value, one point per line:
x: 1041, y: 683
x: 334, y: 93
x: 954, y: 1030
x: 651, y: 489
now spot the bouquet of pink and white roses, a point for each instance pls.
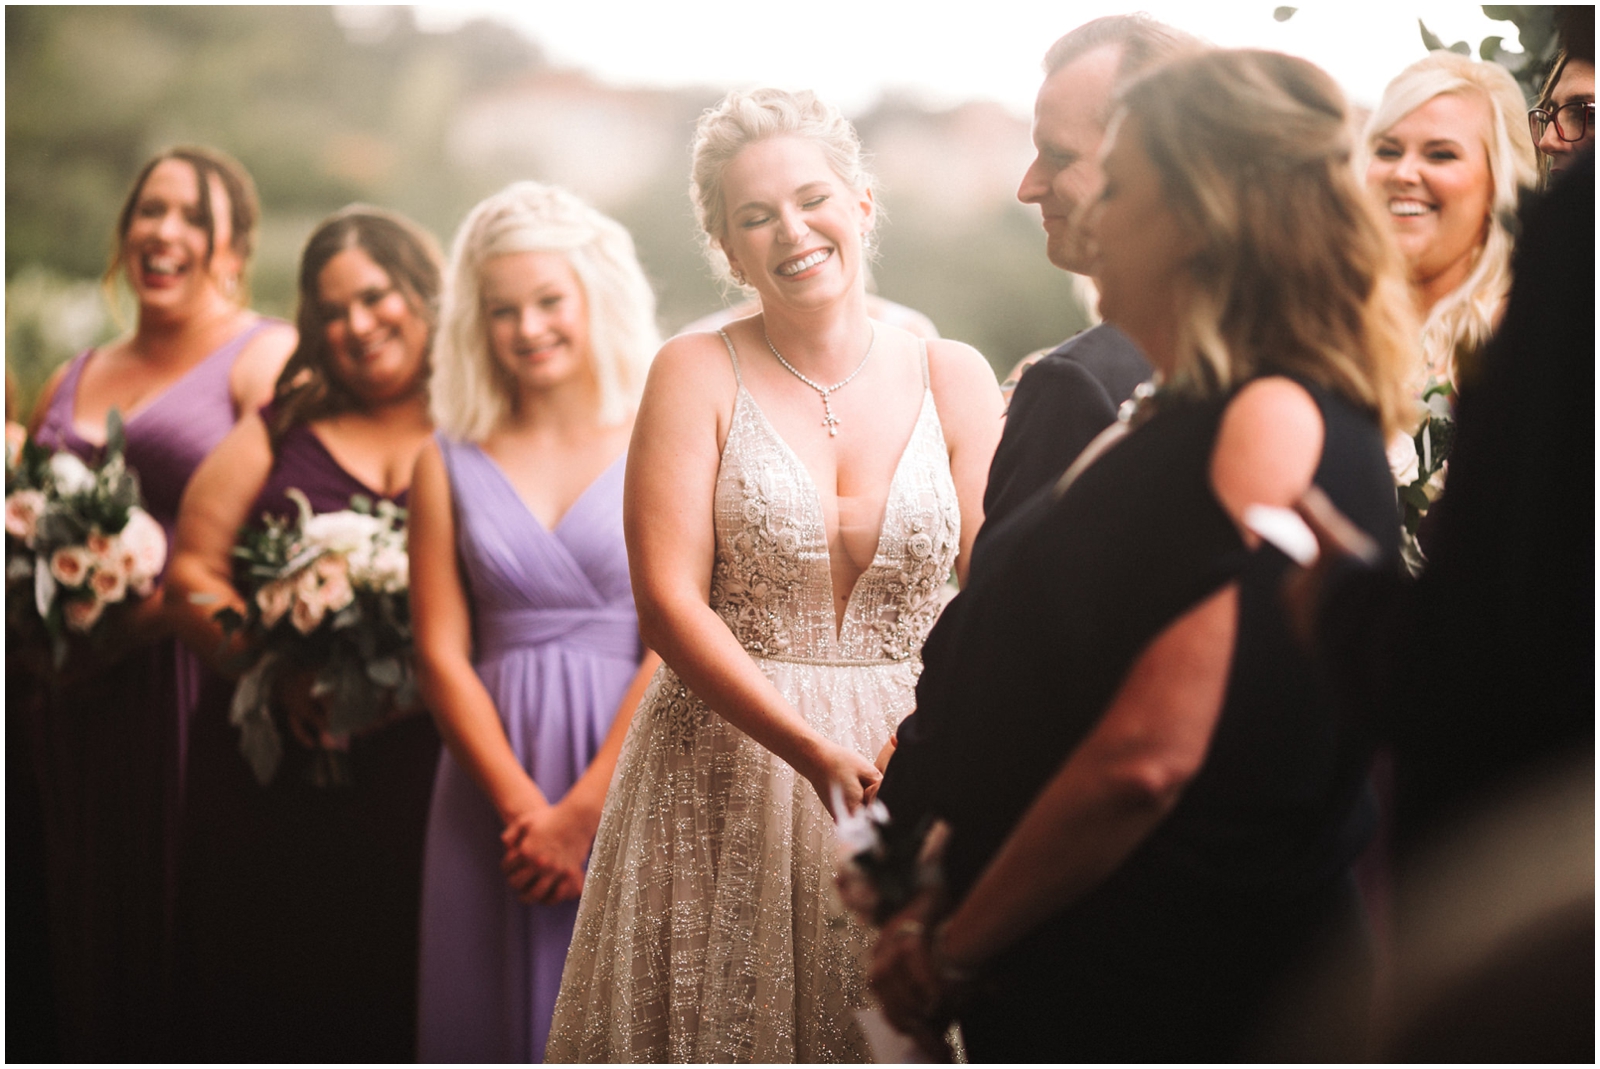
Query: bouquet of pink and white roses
x: 326, y: 593
x: 77, y: 542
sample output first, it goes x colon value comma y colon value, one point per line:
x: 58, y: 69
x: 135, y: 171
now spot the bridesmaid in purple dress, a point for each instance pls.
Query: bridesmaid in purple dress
x: 297, y: 905
x: 108, y: 731
x: 528, y: 645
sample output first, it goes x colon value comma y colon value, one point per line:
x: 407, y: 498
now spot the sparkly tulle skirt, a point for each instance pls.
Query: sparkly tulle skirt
x: 709, y: 928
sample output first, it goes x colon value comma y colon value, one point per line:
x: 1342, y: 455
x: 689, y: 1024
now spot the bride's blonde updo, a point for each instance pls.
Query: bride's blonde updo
x: 747, y: 116
x: 1296, y: 272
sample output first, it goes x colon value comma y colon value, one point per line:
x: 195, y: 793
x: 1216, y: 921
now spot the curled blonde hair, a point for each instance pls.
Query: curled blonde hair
x: 1295, y: 273
x: 471, y: 394
x: 744, y: 117
x: 1459, y: 325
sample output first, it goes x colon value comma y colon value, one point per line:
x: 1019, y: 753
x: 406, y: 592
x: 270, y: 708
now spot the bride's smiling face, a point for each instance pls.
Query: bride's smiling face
x: 794, y: 226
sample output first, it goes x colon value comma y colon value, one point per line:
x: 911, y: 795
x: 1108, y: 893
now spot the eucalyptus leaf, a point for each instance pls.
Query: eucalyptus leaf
x: 385, y: 671
x: 44, y: 589
x: 116, y: 437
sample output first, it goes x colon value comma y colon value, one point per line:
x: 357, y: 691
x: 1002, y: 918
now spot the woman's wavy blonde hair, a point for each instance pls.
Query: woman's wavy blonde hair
x: 471, y: 393
x: 1296, y: 273
x: 1460, y: 324
x: 744, y: 117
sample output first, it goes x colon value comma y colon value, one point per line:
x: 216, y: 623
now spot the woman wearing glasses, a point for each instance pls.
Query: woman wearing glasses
x: 1563, y: 123
x: 1447, y: 151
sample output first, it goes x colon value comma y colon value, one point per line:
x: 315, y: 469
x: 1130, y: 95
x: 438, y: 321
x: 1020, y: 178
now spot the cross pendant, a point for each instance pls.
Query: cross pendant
x: 827, y: 419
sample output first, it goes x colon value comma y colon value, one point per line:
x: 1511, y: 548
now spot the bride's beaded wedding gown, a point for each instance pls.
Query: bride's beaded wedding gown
x: 709, y: 929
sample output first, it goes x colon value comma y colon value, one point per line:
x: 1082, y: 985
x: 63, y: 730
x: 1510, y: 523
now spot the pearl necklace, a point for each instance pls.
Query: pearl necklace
x: 828, y: 419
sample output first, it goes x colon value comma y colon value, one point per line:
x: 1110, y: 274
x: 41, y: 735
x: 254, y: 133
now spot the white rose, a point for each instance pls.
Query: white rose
x: 147, y: 540
x: 391, y: 570
x: 70, y: 565
x: 23, y: 510
x: 342, y: 532
x: 70, y: 474
x: 1403, y: 459
x: 81, y: 613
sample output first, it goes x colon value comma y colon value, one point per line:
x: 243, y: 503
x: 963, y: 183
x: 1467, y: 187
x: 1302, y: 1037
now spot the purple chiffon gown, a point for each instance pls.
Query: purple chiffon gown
x: 297, y: 905
x: 556, y: 643
x: 108, y: 750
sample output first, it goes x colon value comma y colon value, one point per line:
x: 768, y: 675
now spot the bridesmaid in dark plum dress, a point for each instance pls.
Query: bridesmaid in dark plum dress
x: 107, y: 732
x: 297, y: 903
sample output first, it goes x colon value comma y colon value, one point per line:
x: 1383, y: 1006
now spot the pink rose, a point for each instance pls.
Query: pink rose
x: 23, y: 510
x: 81, y: 613
x: 106, y: 549
x: 109, y: 584
x: 148, y: 543
x: 274, y: 600
x: 307, y: 613
x: 308, y: 585
x: 70, y: 565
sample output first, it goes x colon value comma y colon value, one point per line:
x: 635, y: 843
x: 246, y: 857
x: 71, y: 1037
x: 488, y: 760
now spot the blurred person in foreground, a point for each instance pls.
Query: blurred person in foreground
x: 1481, y: 676
x: 1072, y: 393
x: 527, y: 639
x: 297, y: 901
x: 800, y: 485
x: 112, y: 733
x: 1153, y: 804
x: 1446, y: 157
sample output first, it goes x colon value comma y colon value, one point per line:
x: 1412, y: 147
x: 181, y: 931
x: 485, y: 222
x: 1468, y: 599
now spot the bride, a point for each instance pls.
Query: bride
x: 798, y: 489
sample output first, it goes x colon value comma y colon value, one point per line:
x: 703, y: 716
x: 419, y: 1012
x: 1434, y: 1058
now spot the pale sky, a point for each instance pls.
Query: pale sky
x: 851, y: 51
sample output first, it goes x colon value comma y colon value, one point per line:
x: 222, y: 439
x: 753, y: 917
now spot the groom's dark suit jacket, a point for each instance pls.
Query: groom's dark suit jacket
x: 1061, y: 403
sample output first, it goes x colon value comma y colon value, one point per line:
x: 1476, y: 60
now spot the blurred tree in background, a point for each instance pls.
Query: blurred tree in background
x: 327, y: 106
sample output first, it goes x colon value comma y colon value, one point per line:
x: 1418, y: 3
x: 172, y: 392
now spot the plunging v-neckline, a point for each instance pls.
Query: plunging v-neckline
x: 511, y: 487
x: 149, y: 402
x: 816, y: 497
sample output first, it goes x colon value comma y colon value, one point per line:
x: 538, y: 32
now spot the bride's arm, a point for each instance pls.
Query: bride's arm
x: 972, y: 412
x: 667, y: 517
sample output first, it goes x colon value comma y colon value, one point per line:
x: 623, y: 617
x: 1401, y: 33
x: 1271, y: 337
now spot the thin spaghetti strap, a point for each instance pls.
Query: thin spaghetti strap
x: 731, y: 356
x: 927, y: 383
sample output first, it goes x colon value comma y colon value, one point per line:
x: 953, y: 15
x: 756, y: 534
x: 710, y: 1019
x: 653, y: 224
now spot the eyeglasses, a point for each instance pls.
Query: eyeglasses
x: 1572, y: 120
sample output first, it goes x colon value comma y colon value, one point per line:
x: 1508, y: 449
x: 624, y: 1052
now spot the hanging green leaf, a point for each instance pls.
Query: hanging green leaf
x: 1284, y: 14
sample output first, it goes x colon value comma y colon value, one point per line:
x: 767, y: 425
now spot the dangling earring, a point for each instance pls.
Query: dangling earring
x: 229, y: 285
x: 738, y: 275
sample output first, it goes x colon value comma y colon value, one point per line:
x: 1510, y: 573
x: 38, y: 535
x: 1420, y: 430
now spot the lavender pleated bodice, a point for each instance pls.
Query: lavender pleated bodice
x: 168, y: 437
x: 555, y: 643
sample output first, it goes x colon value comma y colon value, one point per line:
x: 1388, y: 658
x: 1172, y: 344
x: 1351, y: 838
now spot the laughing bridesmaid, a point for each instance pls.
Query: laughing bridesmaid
x: 108, y: 741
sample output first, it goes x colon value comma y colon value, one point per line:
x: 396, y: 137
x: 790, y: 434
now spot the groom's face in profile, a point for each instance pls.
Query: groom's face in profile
x: 1068, y: 125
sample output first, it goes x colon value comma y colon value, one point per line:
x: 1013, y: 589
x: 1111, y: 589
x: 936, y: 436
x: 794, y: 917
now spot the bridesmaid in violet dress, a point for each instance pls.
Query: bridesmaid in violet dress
x: 528, y: 645
x: 107, y: 732
x: 297, y: 903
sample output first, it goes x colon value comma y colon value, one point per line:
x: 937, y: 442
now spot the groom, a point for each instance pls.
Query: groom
x: 1072, y: 394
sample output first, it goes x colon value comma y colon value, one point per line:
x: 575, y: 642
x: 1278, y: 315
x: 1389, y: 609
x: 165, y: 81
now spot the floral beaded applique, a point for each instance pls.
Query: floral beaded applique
x: 754, y: 580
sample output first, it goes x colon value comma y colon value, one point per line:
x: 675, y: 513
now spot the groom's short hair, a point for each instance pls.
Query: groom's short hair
x: 1145, y: 43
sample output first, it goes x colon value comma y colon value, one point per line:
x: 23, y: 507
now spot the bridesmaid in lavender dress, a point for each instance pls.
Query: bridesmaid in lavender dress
x: 528, y: 645
x: 297, y: 903
x: 108, y: 736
